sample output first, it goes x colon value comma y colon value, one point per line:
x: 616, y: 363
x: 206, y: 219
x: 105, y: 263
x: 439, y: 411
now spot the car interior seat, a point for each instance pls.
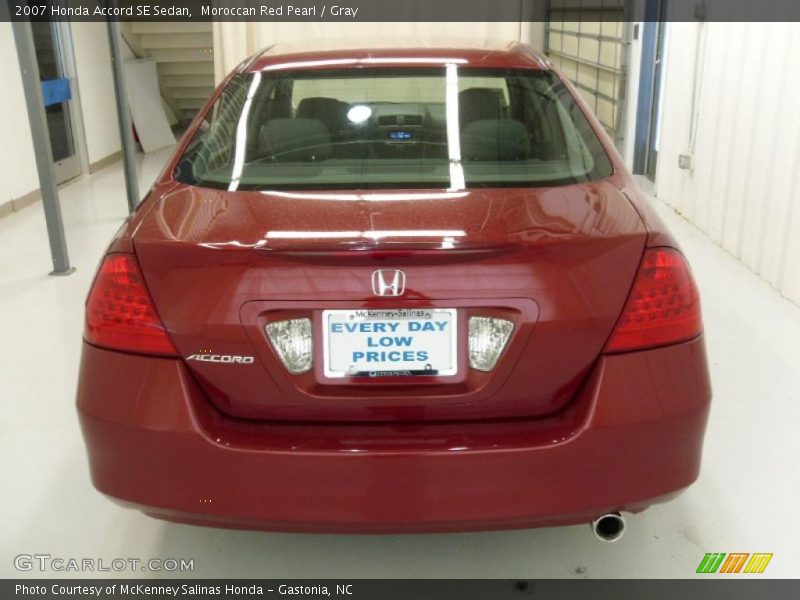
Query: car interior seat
x: 295, y: 140
x: 495, y: 140
x: 475, y: 104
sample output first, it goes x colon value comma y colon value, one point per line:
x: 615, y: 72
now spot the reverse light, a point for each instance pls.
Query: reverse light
x: 663, y: 306
x: 292, y: 342
x: 487, y: 340
x: 120, y: 314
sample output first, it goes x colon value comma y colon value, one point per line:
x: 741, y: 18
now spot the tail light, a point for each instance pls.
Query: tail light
x: 663, y: 306
x: 119, y: 312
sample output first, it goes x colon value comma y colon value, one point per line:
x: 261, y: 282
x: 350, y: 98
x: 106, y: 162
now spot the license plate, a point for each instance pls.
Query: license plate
x: 389, y: 342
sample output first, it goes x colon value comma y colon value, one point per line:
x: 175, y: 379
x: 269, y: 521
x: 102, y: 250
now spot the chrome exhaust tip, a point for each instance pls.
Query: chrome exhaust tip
x: 609, y: 527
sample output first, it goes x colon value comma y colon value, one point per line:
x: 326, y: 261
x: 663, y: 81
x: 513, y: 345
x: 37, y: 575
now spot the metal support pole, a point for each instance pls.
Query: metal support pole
x: 26, y: 53
x: 123, y: 117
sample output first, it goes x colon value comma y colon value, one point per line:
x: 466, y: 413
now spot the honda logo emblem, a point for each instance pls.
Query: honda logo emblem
x: 388, y: 283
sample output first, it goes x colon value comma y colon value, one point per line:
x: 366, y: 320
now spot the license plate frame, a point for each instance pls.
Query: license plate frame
x: 440, y: 367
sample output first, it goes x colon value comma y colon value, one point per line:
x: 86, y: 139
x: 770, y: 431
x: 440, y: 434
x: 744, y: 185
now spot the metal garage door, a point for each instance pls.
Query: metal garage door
x: 586, y: 38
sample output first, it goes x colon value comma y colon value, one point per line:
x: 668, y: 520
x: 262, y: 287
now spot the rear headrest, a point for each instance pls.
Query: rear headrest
x: 475, y: 104
x: 314, y: 108
x: 330, y: 111
x: 295, y: 139
x: 495, y: 140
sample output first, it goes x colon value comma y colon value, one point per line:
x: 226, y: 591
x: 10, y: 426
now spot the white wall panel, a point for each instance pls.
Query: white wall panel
x: 96, y: 83
x: 16, y: 148
x: 744, y: 188
x: 93, y: 62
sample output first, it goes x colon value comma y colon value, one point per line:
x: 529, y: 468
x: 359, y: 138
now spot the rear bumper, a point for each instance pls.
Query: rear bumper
x: 631, y: 438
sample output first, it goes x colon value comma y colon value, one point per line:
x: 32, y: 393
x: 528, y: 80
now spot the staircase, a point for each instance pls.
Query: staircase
x: 184, y: 54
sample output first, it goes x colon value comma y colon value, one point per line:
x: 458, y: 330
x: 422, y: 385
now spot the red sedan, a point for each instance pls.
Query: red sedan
x: 380, y: 290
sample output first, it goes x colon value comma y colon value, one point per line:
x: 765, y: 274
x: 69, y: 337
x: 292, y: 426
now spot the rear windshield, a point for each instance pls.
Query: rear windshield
x: 444, y: 127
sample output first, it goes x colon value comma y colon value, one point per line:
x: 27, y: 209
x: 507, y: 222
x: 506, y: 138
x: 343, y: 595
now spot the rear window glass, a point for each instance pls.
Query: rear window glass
x: 445, y: 127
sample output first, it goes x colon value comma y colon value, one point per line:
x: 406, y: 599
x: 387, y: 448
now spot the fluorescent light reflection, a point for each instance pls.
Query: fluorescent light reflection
x: 332, y: 62
x: 241, y: 135
x: 378, y: 234
x: 453, y: 134
x: 368, y: 197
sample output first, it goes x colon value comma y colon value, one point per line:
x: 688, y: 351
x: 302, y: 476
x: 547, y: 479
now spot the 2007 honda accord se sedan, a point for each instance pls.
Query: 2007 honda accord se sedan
x: 394, y: 289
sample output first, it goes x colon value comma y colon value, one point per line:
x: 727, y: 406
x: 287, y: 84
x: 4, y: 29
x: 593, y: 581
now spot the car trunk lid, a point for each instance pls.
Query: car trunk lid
x: 558, y: 262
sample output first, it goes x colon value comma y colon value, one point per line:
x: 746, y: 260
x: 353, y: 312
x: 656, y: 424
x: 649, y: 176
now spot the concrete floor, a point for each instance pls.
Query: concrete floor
x: 745, y: 501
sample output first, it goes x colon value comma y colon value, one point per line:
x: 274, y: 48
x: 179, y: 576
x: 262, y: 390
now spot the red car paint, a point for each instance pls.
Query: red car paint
x: 560, y: 432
